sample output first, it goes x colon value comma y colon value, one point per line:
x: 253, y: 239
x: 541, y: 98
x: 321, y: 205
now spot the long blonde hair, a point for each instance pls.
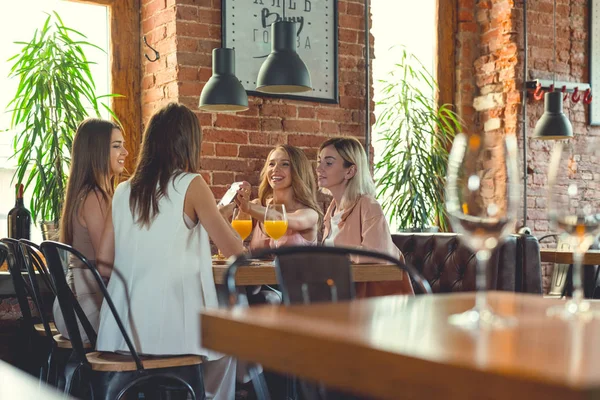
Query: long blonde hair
x: 353, y: 153
x: 90, y: 170
x: 304, y: 185
x: 170, y: 147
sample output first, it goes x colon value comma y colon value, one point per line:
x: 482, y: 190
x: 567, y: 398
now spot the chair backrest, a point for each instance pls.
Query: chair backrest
x: 309, y: 274
x: 309, y: 277
x: 22, y: 288
x: 32, y: 260
x: 66, y: 301
x: 3, y: 253
x: 561, y: 282
x: 51, y: 252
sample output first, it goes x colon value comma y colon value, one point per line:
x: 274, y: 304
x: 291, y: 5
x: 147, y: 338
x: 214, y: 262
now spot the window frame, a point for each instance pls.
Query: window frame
x: 125, y: 69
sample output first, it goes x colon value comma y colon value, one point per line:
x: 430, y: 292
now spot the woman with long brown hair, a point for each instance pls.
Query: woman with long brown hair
x: 156, y: 242
x: 287, y: 178
x: 97, y: 158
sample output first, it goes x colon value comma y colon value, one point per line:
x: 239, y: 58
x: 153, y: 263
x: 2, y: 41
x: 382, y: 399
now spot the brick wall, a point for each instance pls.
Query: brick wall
x: 489, y: 71
x: 235, y: 145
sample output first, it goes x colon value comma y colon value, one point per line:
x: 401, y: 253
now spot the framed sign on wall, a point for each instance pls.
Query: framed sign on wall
x: 246, y: 27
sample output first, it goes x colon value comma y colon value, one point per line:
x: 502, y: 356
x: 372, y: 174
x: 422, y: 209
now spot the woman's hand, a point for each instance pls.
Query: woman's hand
x: 242, y: 199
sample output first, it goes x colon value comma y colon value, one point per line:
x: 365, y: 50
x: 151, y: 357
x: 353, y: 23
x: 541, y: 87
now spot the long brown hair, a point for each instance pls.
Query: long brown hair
x: 90, y: 170
x: 303, y: 179
x: 170, y: 147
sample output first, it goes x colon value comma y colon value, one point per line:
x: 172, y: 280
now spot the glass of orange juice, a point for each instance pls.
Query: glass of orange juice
x: 242, y: 223
x: 276, y: 222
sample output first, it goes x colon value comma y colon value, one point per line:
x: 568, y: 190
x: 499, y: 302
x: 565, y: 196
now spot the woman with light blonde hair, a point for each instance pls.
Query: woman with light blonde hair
x: 354, y: 217
x: 287, y: 178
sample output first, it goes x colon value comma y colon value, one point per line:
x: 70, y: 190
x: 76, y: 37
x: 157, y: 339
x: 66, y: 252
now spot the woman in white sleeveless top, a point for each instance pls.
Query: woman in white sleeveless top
x: 156, y: 241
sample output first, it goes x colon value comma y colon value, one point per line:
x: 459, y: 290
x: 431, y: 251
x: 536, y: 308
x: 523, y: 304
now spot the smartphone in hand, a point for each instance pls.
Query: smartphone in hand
x: 230, y: 194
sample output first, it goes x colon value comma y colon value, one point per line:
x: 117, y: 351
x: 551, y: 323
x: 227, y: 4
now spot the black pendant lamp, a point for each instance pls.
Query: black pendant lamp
x: 283, y: 71
x: 223, y: 91
x: 553, y: 124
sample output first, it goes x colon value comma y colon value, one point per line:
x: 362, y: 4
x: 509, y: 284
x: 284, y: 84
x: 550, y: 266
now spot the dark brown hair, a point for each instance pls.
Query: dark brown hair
x: 170, y: 147
x: 90, y: 170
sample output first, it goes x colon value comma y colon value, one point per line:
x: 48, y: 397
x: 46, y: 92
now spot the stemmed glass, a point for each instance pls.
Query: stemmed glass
x: 573, y: 176
x: 482, y: 199
x: 242, y: 223
x: 276, y: 222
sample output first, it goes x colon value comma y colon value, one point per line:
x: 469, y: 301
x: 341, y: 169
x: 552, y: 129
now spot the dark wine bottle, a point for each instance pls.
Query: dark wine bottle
x: 19, y: 218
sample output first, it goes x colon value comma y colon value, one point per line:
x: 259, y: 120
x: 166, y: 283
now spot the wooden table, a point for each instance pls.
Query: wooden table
x: 16, y: 384
x: 591, y: 257
x: 264, y: 274
x: 399, y: 347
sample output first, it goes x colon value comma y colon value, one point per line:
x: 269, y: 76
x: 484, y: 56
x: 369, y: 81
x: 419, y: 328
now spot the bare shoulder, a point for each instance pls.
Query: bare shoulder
x: 95, y: 200
x: 199, y: 190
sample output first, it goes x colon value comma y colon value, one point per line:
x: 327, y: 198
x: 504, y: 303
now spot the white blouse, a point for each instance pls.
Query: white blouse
x: 335, y: 229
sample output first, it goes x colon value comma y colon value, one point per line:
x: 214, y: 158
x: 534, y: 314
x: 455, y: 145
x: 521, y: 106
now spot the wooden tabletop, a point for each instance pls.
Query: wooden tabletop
x: 264, y: 274
x: 16, y: 384
x: 399, y: 347
x: 591, y: 257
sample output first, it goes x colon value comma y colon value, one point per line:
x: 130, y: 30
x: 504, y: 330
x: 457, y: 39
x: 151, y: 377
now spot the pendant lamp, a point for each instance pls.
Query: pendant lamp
x: 553, y: 124
x: 223, y: 91
x: 283, y: 71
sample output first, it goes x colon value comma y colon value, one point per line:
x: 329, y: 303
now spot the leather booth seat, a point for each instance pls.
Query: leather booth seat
x: 449, y: 265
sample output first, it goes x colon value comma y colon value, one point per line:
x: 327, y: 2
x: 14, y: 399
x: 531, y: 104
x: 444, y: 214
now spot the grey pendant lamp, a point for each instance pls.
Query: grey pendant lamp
x: 553, y: 124
x: 223, y: 91
x: 283, y: 71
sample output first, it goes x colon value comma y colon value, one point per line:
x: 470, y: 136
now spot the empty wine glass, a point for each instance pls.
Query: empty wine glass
x: 276, y: 222
x: 242, y: 223
x: 573, y: 178
x: 482, y: 199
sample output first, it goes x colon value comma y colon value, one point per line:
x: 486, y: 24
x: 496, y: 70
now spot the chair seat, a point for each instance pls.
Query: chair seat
x: 113, y: 362
x: 39, y: 328
x: 64, y: 343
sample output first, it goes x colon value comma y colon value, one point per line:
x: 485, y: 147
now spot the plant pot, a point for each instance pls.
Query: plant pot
x: 428, y: 229
x: 49, y: 230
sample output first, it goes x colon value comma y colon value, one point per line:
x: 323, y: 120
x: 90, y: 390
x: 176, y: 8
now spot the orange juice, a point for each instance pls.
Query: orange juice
x: 276, y: 229
x: 243, y: 227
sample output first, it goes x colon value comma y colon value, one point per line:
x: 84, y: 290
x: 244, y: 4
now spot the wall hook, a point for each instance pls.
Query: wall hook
x: 564, y: 92
x: 576, y: 96
x: 539, y: 92
x: 156, y: 53
x: 587, y: 96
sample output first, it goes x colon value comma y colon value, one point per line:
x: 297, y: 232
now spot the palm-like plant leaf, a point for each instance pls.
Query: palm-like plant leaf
x: 55, y: 87
x: 416, y: 135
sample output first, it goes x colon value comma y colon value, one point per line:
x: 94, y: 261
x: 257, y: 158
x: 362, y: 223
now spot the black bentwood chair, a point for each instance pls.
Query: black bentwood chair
x: 28, y: 339
x: 111, y: 375
x: 310, y: 274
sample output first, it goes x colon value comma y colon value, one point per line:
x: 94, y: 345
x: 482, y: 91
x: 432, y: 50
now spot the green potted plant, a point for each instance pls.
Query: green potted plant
x: 416, y: 134
x: 55, y: 93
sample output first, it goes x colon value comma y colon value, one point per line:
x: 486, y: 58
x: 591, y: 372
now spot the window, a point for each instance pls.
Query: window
x: 92, y: 21
x: 398, y: 24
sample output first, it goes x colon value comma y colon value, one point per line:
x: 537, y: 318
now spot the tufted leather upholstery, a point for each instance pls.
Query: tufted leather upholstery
x: 449, y: 265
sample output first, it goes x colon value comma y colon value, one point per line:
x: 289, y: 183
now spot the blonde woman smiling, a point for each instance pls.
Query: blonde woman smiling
x: 354, y: 217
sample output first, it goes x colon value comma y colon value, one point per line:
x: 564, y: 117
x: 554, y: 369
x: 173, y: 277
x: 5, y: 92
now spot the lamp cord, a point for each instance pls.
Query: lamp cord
x: 554, y: 36
x: 524, y: 111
